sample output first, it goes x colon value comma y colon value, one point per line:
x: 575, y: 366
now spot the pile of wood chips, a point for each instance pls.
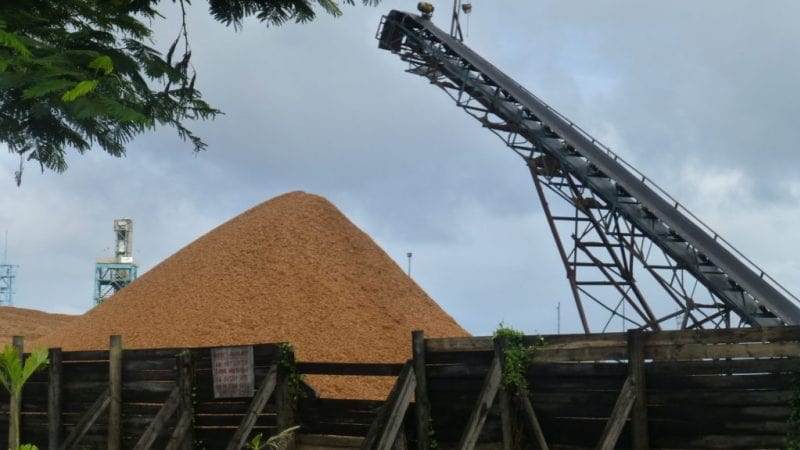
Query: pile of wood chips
x: 293, y: 269
x: 29, y: 323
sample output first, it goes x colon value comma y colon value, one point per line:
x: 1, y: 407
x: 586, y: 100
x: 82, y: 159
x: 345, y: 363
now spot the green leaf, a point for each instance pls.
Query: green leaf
x: 81, y: 89
x: 36, y: 360
x: 5, y: 380
x: 121, y: 112
x: 12, y: 373
x: 45, y: 87
x: 330, y: 7
x: 11, y: 41
x: 102, y: 63
x: 10, y: 368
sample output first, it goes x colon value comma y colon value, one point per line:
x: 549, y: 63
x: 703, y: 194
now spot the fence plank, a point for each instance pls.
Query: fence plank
x: 160, y: 420
x: 536, y: 427
x: 478, y: 415
x: 87, y: 420
x: 724, y: 336
x: 260, y: 399
x: 115, y: 386
x: 724, y: 366
x: 551, y: 355
x: 397, y: 407
x: 54, y: 397
x: 559, y: 342
x: 662, y: 345
x: 507, y: 422
x: 400, y: 442
x: 357, y: 369
x: 423, y: 409
x: 459, y: 344
x: 185, y: 364
x: 181, y: 435
x: 713, y: 351
x: 622, y: 408
x: 636, y: 344
x: 383, y: 430
x: 286, y: 398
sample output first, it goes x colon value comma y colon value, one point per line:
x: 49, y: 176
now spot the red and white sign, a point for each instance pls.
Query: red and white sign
x: 232, y: 369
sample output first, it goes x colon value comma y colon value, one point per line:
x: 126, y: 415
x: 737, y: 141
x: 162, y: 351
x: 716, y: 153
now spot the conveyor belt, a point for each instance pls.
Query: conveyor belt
x: 444, y: 59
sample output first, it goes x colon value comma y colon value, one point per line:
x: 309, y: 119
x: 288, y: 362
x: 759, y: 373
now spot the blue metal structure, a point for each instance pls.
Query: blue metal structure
x: 111, y: 276
x: 8, y: 274
x: 631, y: 251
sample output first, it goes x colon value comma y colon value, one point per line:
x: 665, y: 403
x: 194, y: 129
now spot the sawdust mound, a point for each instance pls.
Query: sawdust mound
x: 291, y: 269
x: 28, y: 323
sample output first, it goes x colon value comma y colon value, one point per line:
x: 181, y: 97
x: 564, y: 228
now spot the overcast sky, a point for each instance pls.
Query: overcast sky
x: 701, y: 96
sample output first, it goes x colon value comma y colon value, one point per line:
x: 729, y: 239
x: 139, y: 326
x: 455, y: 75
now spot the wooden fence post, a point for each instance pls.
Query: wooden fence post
x: 183, y: 435
x: 477, y: 417
x: 256, y: 406
x: 15, y: 401
x: 186, y: 382
x: 54, y: 396
x: 536, y: 428
x: 639, y: 435
x: 382, y: 434
x: 158, y: 422
x: 88, y: 419
x: 616, y: 420
x: 285, y: 395
x: 423, y: 405
x: 507, y: 416
x: 115, y: 388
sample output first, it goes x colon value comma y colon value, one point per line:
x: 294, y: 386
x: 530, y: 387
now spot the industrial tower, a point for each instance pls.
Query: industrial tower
x: 8, y: 273
x: 631, y: 252
x: 112, y: 275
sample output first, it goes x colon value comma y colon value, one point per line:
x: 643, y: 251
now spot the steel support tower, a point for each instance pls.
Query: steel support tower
x: 112, y: 275
x: 8, y: 274
x: 631, y: 252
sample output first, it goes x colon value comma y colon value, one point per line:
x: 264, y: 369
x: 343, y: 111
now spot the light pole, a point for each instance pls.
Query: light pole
x: 558, y: 321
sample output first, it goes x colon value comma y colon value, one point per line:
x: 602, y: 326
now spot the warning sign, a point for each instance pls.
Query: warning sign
x: 233, y: 371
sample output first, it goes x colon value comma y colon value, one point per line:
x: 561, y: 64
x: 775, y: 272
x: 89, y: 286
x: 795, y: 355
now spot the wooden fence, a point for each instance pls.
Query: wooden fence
x: 666, y: 390
x: 674, y: 389
x: 147, y: 399
x: 342, y: 417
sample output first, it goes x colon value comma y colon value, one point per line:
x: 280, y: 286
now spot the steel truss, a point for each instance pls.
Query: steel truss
x: 623, y: 261
x: 110, y: 277
x: 8, y: 274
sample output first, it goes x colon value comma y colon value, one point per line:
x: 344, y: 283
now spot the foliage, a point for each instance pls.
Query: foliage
x: 793, y: 424
x: 433, y: 443
x: 274, y: 12
x: 79, y: 73
x: 278, y: 442
x: 14, y: 374
x: 293, y: 378
x: 518, y: 356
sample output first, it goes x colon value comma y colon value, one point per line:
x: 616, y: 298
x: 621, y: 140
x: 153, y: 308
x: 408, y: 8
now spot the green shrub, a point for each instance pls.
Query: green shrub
x: 518, y: 356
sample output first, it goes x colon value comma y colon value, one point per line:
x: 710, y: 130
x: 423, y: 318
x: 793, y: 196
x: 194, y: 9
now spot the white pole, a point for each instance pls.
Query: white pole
x: 558, y: 313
